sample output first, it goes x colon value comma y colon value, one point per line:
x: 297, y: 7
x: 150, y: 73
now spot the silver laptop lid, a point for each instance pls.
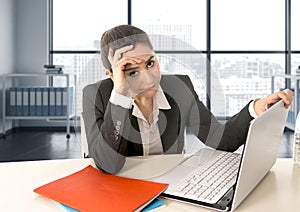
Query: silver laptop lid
x: 260, y: 151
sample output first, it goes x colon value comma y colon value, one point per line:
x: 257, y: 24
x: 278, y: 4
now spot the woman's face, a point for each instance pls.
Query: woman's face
x: 143, y: 78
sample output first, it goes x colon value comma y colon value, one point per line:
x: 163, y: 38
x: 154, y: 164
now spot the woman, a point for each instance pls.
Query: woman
x: 139, y: 112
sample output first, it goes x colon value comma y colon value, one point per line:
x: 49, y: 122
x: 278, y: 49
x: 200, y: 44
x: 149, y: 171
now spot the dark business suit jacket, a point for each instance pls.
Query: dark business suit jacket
x: 113, y: 133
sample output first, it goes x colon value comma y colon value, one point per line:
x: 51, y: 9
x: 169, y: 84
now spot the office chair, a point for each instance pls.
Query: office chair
x: 83, y: 139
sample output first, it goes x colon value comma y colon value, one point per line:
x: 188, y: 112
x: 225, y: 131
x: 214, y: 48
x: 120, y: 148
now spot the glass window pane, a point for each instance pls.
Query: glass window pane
x: 247, y: 25
x: 295, y: 64
x: 193, y: 65
x: 87, y: 67
x: 295, y: 29
x: 185, y: 21
x: 240, y: 78
x: 79, y: 24
x: 295, y: 70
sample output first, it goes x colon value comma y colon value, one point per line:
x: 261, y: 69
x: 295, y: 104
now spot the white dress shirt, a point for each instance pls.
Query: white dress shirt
x: 150, y: 132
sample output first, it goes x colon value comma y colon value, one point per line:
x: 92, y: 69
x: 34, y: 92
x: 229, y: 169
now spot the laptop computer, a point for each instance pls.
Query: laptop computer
x: 248, y: 169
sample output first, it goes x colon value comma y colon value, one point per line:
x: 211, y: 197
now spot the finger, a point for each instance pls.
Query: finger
x: 273, y: 98
x: 286, y: 98
x: 119, y: 52
x: 289, y: 93
x: 115, y: 56
x: 283, y: 96
x: 124, y: 62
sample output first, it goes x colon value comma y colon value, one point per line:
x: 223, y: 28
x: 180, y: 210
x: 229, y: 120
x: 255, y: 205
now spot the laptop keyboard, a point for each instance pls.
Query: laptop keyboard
x: 209, y: 184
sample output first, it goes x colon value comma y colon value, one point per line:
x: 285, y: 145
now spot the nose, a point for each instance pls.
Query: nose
x: 149, y: 78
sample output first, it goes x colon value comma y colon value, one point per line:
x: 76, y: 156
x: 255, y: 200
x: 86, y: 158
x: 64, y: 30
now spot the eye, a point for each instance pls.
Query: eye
x: 133, y: 73
x: 150, y: 64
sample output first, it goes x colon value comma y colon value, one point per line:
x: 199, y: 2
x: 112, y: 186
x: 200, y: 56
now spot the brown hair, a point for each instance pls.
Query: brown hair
x: 118, y: 37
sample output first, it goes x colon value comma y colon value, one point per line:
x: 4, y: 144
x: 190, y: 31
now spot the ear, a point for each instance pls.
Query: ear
x: 109, y: 73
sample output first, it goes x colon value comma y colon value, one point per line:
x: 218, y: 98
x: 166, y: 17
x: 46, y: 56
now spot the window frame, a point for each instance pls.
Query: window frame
x: 208, y: 52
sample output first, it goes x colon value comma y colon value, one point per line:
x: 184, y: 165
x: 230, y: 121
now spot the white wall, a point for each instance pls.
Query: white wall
x: 32, y: 46
x: 31, y: 35
x: 23, y: 40
x: 7, y: 44
x: 7, y: 36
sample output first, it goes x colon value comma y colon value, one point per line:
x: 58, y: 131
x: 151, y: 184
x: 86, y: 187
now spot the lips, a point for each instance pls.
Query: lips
x: 151, y: 87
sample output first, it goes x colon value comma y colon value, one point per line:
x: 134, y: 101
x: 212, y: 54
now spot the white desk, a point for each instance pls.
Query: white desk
x: 18, y: 179
x: 279, y: 190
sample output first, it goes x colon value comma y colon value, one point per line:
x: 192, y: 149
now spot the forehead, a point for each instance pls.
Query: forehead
x: 140, y: 51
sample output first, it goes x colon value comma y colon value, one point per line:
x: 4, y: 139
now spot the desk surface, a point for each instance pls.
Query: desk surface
x: 278, y: 191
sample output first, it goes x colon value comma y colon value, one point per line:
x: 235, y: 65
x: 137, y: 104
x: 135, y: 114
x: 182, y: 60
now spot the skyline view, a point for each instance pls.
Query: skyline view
x: 236, y: 78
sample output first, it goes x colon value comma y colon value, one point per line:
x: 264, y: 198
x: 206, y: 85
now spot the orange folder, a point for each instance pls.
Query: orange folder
x: 92, y: 190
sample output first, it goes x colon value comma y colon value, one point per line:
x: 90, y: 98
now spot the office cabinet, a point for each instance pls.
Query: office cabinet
x: 43, y: 96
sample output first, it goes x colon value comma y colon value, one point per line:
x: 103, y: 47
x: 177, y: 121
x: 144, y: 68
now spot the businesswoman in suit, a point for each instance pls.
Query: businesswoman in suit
x: 138, y: 111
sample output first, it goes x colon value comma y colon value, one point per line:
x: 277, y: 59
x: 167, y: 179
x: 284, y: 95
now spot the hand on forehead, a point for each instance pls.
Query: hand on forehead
x: 128, y: 51
x: 115, y: 57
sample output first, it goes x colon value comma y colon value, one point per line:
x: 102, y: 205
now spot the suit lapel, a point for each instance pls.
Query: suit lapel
x: 135, y: 139
x: 169, y: 126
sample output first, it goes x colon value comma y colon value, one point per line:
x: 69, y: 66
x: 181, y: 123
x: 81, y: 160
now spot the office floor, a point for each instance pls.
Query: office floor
x: 26, y: 144
x: 39, y: 144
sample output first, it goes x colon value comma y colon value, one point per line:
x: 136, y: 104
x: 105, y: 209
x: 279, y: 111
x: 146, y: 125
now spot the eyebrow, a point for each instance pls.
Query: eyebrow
x: 150, y: 58
x: 131, y: 68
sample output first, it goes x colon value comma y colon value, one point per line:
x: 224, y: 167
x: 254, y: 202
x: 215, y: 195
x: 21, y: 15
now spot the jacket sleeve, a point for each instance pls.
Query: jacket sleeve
x: 106, y: 130
x: 229, y: 136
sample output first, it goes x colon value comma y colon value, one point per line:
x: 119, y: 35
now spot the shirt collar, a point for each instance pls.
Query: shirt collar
x: 160, y: 100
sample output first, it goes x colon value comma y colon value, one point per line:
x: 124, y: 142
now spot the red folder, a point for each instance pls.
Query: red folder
x: 92, y: 190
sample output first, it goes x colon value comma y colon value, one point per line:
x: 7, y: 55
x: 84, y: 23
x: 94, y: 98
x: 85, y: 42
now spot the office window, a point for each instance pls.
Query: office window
x: 240, y: 32
x: 88, y: 69
x: 78, y: 24
x: 295, y: 58
x: 247, y: 42
x: 247, y: 25
x: 77, y: 27
x: 241, y: 78
x: 183, y: 20
x: 295, y: 35
x: 295, y: 24
x: 193, y: 65
x: 173, y: 28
